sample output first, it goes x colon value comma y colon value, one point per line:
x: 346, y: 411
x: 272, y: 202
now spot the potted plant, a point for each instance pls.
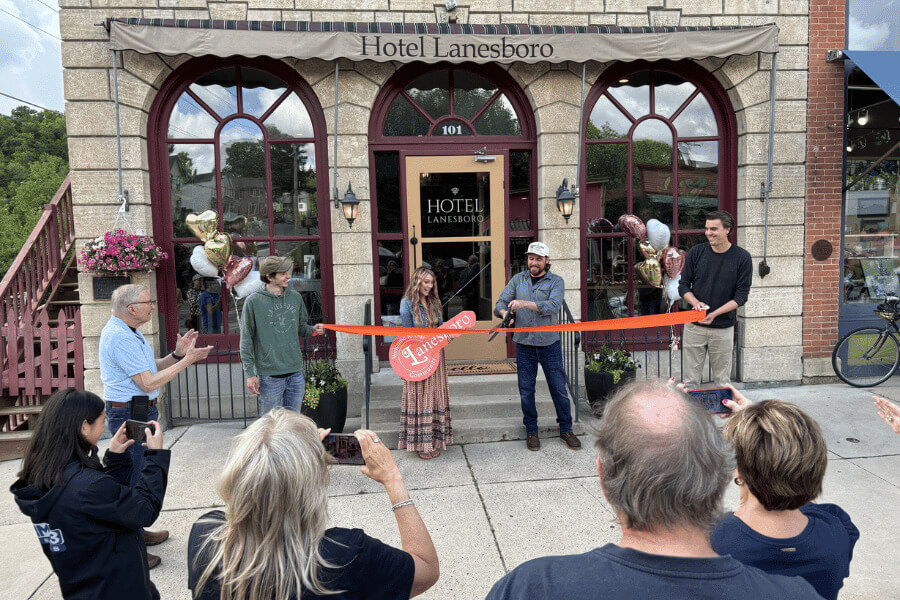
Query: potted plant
x: 113, y: 256
x: 325, y: 398
x: 605, y: 370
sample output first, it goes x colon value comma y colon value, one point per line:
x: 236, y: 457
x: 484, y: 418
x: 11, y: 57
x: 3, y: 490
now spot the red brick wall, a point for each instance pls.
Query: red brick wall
x: 824, y: 176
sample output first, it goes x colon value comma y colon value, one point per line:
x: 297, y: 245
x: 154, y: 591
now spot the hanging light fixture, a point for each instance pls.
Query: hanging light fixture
x: 565, y: 200
x: 350, y: 205
x: 849, y: 146
x: 863, y: 117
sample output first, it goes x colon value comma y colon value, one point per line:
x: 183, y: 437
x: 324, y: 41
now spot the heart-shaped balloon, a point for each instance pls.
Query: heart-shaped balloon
x: 650, y: 271
x: 201, y: 264
x: 251, y: 283
x: 236, y: 225
x: 673, y: 261
x: 633, y: 226
x: 218, y: 249
x: 204, y: 225
x: 648, y: 251
x: 236, y: 269
x: 658, y: 234
x: 672, y: 289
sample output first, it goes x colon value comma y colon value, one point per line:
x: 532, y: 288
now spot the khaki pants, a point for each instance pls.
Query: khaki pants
x: 695, y: 342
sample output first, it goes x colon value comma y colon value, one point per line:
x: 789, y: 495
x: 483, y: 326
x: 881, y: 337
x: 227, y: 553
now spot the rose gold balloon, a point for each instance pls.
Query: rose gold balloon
x: 650, y: 271
x: 633, y: 226
x: 236, y: 269
x: 673, y: 261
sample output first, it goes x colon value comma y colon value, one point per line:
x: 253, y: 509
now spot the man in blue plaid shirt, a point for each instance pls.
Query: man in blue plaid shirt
x: 535, y: 297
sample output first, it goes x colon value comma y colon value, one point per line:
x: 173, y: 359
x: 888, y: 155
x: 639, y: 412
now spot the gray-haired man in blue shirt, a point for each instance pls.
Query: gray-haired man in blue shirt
x: 535, y: 297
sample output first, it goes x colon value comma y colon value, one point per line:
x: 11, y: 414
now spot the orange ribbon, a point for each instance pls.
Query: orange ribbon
x: 662, y: 320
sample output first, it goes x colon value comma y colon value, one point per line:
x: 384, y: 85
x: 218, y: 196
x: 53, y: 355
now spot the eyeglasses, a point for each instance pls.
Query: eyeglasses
x: 153, y: 302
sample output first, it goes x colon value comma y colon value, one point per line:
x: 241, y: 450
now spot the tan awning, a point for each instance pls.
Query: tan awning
x: 436, y: 42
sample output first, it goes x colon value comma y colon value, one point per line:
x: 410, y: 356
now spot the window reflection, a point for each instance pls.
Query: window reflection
x: 697, y: 119
x: 387, y: 189
x: 192, y: 183
x: 259, y: 91
x: 633, y: 93
x: 470, y: 93
x: 670, y: 91
x: 289, y: 120
x: 498, y: 119
x: 404, y: 120
x: 654, y: 180
x: 607, y: 121
x: 432, y: 93
x: 698, y: 182
x: 190, y: 120
x: 295, y: 207
x: 463, y: 276
x: 218, y: 90
x: 242, y: 153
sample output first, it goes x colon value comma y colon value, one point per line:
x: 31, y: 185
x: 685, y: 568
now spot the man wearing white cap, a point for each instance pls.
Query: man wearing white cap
x: 535, y: 297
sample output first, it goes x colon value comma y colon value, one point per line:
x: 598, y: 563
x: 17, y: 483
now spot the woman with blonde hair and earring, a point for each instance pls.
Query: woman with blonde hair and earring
x: 425, y: 410
x: 272, y: 540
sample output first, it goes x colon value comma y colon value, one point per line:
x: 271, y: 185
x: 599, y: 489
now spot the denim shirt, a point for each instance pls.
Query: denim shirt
x: 548, y: 294
x: 406, y: 315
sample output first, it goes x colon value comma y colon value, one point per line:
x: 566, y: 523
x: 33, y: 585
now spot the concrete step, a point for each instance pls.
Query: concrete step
x: 466, y: 406
x: 475, y: 431
x: 387, y: 385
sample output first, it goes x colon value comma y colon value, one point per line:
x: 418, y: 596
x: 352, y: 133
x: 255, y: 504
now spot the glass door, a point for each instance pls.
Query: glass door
x: 456, y: 227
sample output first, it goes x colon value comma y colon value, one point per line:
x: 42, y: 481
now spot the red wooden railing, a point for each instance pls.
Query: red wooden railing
x: 38, y: 356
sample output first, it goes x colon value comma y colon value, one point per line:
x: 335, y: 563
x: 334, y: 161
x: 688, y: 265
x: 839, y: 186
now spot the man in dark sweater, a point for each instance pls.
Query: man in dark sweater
x: 716, y: 278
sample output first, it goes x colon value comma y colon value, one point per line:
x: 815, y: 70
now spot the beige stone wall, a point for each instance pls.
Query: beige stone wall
x: 770, y: 321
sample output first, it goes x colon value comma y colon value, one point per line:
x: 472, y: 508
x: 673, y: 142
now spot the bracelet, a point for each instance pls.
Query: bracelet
x: 175, y: 356
x: 402, y: 504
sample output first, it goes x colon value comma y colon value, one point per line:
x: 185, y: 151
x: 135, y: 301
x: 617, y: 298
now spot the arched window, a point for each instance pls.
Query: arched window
x: 243, y: 140
x: 451, y: 102
x: 659, y: 144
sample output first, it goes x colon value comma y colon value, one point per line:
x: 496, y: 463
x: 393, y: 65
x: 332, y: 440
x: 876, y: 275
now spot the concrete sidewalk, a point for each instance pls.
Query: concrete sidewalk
x: 491, y: 506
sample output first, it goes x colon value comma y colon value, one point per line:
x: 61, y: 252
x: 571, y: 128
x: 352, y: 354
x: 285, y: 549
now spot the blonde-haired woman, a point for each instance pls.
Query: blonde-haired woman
x: 272, y: 540
x: 425, y: 410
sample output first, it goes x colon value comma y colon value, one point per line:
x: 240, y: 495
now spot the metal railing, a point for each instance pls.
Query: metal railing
x: 653, y: 350
x: 216, y: 390
x: 570, y: 342
x: 367, y: 357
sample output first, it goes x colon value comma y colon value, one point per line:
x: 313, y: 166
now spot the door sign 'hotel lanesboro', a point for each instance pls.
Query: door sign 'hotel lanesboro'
x: 455, y: 129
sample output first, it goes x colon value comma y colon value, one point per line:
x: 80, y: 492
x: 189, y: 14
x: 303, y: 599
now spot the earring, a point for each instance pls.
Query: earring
x: 737, y: 481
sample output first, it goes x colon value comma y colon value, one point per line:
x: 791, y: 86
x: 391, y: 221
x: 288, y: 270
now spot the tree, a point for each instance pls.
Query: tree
x: 33, y: 164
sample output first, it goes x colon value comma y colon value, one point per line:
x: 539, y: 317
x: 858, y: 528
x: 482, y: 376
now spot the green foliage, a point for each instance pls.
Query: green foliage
x: 322, y: 377
x: 609, y: 360
x: 33, y: 164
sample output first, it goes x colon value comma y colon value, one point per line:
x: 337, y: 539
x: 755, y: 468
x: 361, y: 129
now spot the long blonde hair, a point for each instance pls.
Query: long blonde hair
x: 432, y: 301
x: 276, y: 512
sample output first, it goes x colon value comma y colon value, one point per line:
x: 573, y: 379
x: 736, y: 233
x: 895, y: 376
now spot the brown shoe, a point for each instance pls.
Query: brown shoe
x: 571, y: 441
x: 533, y: 442
x: 152, y: 538
x: 153, y: 561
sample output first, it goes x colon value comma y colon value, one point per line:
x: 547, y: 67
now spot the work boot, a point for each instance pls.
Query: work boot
x: 571, y: 441
x: 153, y: 561
x: 533, y: 442
x: 152, y: 538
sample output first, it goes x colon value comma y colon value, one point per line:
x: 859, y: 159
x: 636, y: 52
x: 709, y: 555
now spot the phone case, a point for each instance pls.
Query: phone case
x: 345, y: 448
x: 711, y: 399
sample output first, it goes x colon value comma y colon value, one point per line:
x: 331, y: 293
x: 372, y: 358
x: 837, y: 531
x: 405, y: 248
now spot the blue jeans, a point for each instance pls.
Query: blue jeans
x: 550, y: 358
x: 114, y: 419
x: 281, y: 391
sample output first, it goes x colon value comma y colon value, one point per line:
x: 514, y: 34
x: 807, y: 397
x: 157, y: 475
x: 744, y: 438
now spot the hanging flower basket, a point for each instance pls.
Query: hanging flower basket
x: 117, y: 252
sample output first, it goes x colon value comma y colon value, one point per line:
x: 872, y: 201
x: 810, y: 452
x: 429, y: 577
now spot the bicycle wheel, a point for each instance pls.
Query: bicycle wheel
x: 866, y: 356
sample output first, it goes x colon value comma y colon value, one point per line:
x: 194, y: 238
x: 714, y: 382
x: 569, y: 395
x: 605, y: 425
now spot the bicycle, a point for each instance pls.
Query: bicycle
x: 869, y: 356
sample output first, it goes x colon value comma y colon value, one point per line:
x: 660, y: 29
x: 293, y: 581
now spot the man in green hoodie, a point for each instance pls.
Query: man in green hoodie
x: 272, y: 321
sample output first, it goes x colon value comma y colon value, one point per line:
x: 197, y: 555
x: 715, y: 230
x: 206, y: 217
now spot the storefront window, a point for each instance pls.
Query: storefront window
x: 653, y: 147
x: 240, y: 142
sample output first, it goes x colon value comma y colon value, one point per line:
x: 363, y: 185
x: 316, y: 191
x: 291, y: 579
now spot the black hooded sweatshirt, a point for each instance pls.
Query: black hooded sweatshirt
x: 90, y: 526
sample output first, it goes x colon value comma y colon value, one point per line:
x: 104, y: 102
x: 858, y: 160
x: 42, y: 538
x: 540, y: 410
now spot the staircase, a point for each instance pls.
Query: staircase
x: 484, y: 408
x: 40, y: 324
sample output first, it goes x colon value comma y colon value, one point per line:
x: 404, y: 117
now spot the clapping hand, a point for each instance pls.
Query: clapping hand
x: 186, y: 341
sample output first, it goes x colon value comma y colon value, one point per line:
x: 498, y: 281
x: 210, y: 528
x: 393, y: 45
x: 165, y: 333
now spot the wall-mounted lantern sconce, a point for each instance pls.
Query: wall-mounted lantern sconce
x: 350, y: 205
x: 565, y: 200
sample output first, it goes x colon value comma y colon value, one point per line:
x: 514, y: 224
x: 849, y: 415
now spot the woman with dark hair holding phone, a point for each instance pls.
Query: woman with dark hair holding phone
x: 86, y: 516
x: 781, y: 462
x: 272, y: 541
x: 425, y: 409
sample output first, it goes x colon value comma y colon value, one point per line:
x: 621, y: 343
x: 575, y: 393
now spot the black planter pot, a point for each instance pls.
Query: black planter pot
x: 600, y: 386
x: 331, y: 411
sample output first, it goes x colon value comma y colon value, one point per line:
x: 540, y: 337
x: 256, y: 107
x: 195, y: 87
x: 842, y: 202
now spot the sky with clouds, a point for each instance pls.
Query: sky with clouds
x: 30, y: 62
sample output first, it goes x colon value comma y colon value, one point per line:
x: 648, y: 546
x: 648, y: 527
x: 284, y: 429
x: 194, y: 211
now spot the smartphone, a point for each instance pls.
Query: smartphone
x: 140, y: 408
x: 134, y: 430
x: 712, y: 399
x: 345, y: 448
